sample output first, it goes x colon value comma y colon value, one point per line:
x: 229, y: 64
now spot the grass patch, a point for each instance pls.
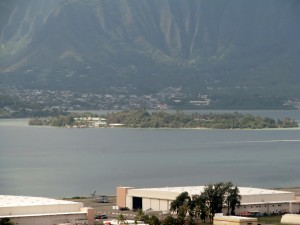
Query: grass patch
x: 269, y: 220
x: 75, y: 197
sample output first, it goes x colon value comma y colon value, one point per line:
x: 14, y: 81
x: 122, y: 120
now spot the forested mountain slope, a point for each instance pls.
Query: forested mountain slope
x: 203, y: 46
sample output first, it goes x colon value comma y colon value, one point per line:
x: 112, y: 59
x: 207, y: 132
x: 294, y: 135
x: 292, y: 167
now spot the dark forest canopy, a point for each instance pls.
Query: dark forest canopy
x: 161, y: 119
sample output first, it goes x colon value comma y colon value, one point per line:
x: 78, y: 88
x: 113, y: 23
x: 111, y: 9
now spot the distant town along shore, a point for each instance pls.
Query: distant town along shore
x: 161, y: 119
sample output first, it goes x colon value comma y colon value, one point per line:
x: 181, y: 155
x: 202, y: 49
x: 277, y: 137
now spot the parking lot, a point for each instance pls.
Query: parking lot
x: 105, y: 208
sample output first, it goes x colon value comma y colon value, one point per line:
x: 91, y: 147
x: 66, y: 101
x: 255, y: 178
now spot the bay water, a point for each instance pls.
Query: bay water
x: 59, y: 162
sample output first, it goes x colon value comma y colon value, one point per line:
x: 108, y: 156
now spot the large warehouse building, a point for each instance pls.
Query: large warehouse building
x: 254, y: 200
x: 24, y: 210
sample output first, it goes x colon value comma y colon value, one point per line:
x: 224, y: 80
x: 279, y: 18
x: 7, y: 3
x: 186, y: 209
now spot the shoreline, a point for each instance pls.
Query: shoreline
x: 23, y: 122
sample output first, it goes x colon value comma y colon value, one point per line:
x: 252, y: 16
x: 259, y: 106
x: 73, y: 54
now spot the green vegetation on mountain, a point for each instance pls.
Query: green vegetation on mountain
x: 13, y: 108
x: 204, y: 46
x: 144, y: 119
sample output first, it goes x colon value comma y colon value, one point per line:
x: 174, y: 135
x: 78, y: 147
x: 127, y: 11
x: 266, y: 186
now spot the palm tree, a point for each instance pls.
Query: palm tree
x: 121, y: 219
x: 184, y: 206
x: 233, y: 199
x: 153, y: 220
x: 189, y: 221
x: 169, y: 220
x: 181, y: 204
x: 201, y: 209
x: 140, y: 216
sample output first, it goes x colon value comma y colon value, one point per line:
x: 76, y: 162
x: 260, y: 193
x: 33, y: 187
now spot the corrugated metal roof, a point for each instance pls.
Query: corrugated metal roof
x: 13, y: 201
x: 44, y: 214
x: 193, y: 190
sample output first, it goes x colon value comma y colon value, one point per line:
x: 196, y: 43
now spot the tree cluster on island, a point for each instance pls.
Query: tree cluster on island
x: 162, y: 119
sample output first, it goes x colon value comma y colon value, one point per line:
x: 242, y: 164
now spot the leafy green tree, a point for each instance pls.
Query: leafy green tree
x: 141, y: 216
x: 181, y: 204
x: 233, y: 199
x: 211, y: 201
x: 208, y: 195
x: 170, y: 220
x: 184, y: 207
x: 201, y: 209
x: 6, y: 221
x: 153, y: 220
x: 215, y: 196
x: 189, y: 221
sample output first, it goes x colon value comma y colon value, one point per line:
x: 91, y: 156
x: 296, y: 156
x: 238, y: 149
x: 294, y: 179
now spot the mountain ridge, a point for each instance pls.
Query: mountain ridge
x: 204, y: 45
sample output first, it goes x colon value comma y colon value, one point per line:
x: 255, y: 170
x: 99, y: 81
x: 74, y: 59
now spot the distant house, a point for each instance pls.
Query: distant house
x: 116, y: 124
x: 200, y: 102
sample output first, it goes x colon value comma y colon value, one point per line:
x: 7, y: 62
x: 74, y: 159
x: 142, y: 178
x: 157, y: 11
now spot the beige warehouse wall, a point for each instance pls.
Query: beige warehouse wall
x: 153, y: 194
x: 43, y: 209
x: 262, y: 208
x: 164, y: 205
x: 233, y: 223
x: 267, y: 197
x: 234, y: 220
x: 129, y: 202
x: 295, y: 208
x: 48, y: 220
x: 146, y: 203
x: 121, y: 196
x: 90, y: 214
x: 155, y: 204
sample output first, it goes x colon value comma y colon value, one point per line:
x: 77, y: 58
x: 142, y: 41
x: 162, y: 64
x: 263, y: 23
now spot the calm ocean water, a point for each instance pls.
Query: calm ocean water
x: 58, y: 162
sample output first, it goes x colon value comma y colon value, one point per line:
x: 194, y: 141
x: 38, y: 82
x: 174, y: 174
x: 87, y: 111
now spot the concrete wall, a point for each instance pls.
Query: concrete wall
x: 90, y: 214
x: 146, y: 203
x: 121, y: 196
x: 268, y: 208
x: 231, y: 220
x: 42, y: 209
x: 153, y: 194
x: 156, y: 200
x: 129, y: 202
x: 268, y: 197
x: 296, y: 208
x: 50, y: 220
x: 161, y: 200
x: 154, y: 204
x: 290, y: 219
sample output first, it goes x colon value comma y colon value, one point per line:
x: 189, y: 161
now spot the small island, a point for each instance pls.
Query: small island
x: 161, y: 119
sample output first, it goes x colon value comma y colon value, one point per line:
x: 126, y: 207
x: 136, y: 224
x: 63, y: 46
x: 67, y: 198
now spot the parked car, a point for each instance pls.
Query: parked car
x: 102, y: 216
x: 123, y: 208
